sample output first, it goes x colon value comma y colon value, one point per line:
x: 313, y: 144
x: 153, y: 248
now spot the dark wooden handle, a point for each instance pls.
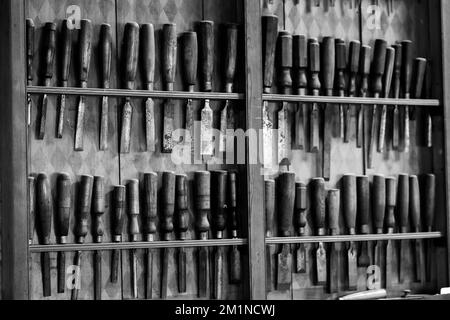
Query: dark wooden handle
x: 285, y: 202
x: 403, y: 202
x: 300, y: 207
x: 328, y: 63
x: 105, y: 53
x: 202, y: 200
x: 182, y: 205
x: 231, y: 199
x: 98, y: 207
x: 318, y: 204
x: 85, y: 47
x: 206, y: 53
x: 378, y: 202
x: 269, y: 36
x: 130, y: 53
x: 44, y: 208
x: 378, y: 65
x: 84, y: 207
x: 364, y: 70
x: 314, y: 65
x: 430, y: 201
x: 64, y: 201
x: 341, y: 65
x: 414, y: 203
x: 389, y: 70
x: 30, y: 48
x: 406, y: 71
x: 189, y: 57
x: 230, y: 55
x: 168, y: 203
x: 49, y: 47
x: 150, y: 205
x: 299, y: 61
x: 219, y: 189
x: 32, y: 204
x: 420, y: 66
x: 118, y: 212
x: 363, y: 203
x: 285, y: 61
x: 397, y: 69
x: 269, y: 205
x: 66, y: 51
x: 147, y: 45
x: 333, y: 211
x: 354, y: 55
x: 349, y: 198
x: 133, y: 208
x: 391, y: 202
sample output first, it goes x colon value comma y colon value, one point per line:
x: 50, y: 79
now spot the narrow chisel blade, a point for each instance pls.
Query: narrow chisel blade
x: 314, y: 138
x: 360, y: 128
x: 150, y: 125
x: 165, y: 269
x: 125, y: 133
x: 41, y: 131
x: 98, y: 275
x: 203, y: 272
x: 299, y: 128
x: 219, y: 274
x: 284, y: 268
x: 223, y: 127
x: 326, y: 165
x: 133, y: 269
x: 352, y: 267
x: 61, y: 112
x: 149, y: 274
x: 115, y: 258
x: 382, y: 132
x: 332, y: 269
x: 267, y: 135
x: 284, y: 137
x: 182, y: 270
x: 77, y: 284
x: 79, y: 130
x: 269, y: 271
x: 417, y: 245
x: 389, y: 265
x: 321, y: 265
x: 104, y: 120
x: 396, y: 129
x: 61, y: 257
x: 46, y: 278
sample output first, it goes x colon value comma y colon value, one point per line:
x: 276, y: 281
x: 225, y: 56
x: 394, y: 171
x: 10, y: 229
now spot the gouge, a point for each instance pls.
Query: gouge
x: 300, y: 83
x: 133, y: 229
x: 66, y: 48
x: 378, y: 213
x: 32, y: 207
x: 81, y: 223
x: 130, y: 56
x: 149, y: 225
x: 182, y: 222
x: 429, y: 212
x: 49, y: 57
x: 341, y: 65
x: 349, y: 198
x: 387, y: 80
x: 363, y: 205
x: 106, y: 56
x: 364, y: 71
x: 414, y: 211
x: 44, y: 218
x: 420, y: 66
x: 318, y: 211
x: 314, y: 86
x: 203, y: 206
x: 333, y: 252
x: 147, y: 45
x: 328, y: 71
x: 403, y: 220
x: 98, y: 209
x: 378, y: 68
x: 227, y: 118
x: 85, y: 49
x: 269, y: 205
x: 269, y: 38
x: 396, y: 88
x: 235, y: 254
x: 218, y: 191
x: 285, y: 207
x: 353, y: 65
x: 391, y: 202
x: 300, y: 218
x: 117, y: 227
x: 206, y: 56
x: 30, y: 58
x: 64, y: 200
x: 406, y: 75
x: 168, y: 210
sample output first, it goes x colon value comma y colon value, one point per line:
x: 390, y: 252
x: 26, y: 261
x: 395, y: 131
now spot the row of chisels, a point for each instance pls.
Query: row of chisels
x: 138, y: 45
x: 306, y: 66
x: 214, y: 204
x: 385, y: 205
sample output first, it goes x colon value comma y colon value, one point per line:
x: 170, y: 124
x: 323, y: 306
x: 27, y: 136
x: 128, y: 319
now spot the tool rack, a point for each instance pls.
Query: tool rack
x: 21, y: 155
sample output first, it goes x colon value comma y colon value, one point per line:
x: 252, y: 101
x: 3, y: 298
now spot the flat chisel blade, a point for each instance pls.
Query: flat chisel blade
x: 98, y: 275
x: 206, y: 135
x: 42, y: 121
x: 321, y: 265
x: 301, y: 259
x: 267, y: 135
x: 104, y: 121
x: 284, y: 271
x: 203, y: 272
x: 219, y: 273
x: 79, y: 130
x: 165, y: 270
x: 352, y: 267
x: 61, y: 257
x: 61, y: 112
x: 150, y: 125
x: 149, y: 274
x: 125, y: 133
x: 284, y: 137
x: 77, y: 284
x: 133, y: 268
x: 182, y: 270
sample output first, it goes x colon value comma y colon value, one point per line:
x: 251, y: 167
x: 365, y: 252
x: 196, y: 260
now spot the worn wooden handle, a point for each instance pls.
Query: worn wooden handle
x: 328, y: 64
x: 318, y: 204
x: 130, y: 53
x: 133, y: 208
x: 341, y: 65
x: 406, y: 69
x: 105, y: 53
x: 397, y: 70
x: 354, y: 55
x: 231, y: 199
x: 49, y: 49
x: 378, y: 202
x: 30, y: 48
x: 118, y: 212
x: 363, y: 202
x: 181, y: 205
x: 85, y: 47
x: 391, y: 202
x: 333, y: 211
x: 44, y: 208
x: 364, y: 70
x: 219, y: 189
x: 300, y: 207
x: 378, y: 65
x: 230, y: 55
x: 414, y: 203
x: 389, y: 70
x: 189, y: 52
x: 202, y: 200
x: 269, y: 205
x: 349, y: 198
x: 430, y: 201
x: 314, y: 65
x: 168, y: 203
x: 285, y: 202
x: 66, y: 51
x: 420, y: 66
x: 84, y: 207
x: 64, y: 201
x: 32, y: 205
x: 403, y: 202
x: 285, y: 61
x: 299, y: 61
x: 206, y: 53
x: 150, y: 205
x: 98, y: 207
x: 269, y: 36
x: 147, y: 47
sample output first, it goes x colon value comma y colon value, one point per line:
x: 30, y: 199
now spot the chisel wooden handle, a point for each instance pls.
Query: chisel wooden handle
x: 328, y: 64
x: 269, y: 35
x: 189, y: 58
x: 396, y: 89
x: 414, y: 203
x: 318, y: 204
x: 84, y: 207
x: 85, y: 48
x: 363, y: 203
x: 32, y: 206
x: 66, y: 50
x: 403, y: 202
x: 49, y: 50
x: 349, y: 199
x: 406, y: 67
x: 269, y: 205
x: 130, y: 53
x: 63, y: 207
x: 106, y: 54
x: 300, y: 61
x: 378, y: 66
x: 285, y: 202
x: 117, y: 227
x: 182, y: 205
x: 378, y: 202
x: 202, y: 201
x: 285, y: 40
x: 98, y: 207
x: 235, y: 254
x: 314, y: 85
x: 230, y: 55
x: 206, y: 54
x: 391, y: 202
x: 219, y: 189
x: 353, y: 66
x: 147, y: 45
x: 300, y: 207
x: 430, y: 201
x: 364, y: 70
x: 30, y: 50
x: 133, y: 209
x: 387, y: 80
x: 150, y: 205
x: 341, y: 65
x: 168, y: 204
x: 420, y: 66
x: 333, y: 211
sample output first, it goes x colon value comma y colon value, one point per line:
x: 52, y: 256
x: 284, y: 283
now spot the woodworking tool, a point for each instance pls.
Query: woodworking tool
x: 403, y: 221
x: 98, y: 209
x: 420, y: 66
x: 429, y: 191
x: 285, y: 209
x: 168, y: 210
x: 130, y: 57
x: 49, y: 57
x: 366, y: 295
x: 363, y: 209
x: 341, y: 65
x: 133, y: 225
x: 406, y: 75
x: 387, y: 273
x: 81, y: 221
x: 147, y: 43
x: 66, y: 48
x: 44, y: 219
x: 300, y: 83
x: 235, y: 254
x: 30, y: 57
x: 106, y: 56
x: 428, y: 113
x: 64, y: 200
x: 387, y: 80
x: 333, y: 251
x: 182, y: 216
x: 269, y: 205
x: 351, y: 198
x: 300, y: 218
x: 328, y: 71
x: 203, y: 206
x: 378, y: 213
x: 314, y: 86
x: 378, y: 68
x: 84, y: 54
x: 117, y: 227
x: 353, y: 65
x: 414, y: 211
x: 364, y: 71
x: 32, y: 207
x: 318, y: 211
x: 396, y: 83
x: 149, y: 225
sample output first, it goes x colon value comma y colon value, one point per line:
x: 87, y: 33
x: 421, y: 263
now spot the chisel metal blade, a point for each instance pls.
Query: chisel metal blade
x: 301, y: 259
x: 150, y: 125
x: 203, y: 272
x: 98, y: 275
x: 284, y: 137
x: 206, y: 118
x: 417, y: 247
x: 104, y: 121
x: 168, y: 127
x: 149, y: 274
x: 165, y: 268
x: 61, y: 257
x: 77, y: 283
x: 267, y: 135
x: 300, y: 127
x: 219, y: 273
x: 227, y: 122
x: 43, y: 118
x: 321, y: 264
x: 61, y: 112
x: 389, y: 268
x: 125, y: 133
x: 133, y: 268
x: 352, y: 267
x: 182, y: 270
x: 79, y: 130
x: 284, y: 271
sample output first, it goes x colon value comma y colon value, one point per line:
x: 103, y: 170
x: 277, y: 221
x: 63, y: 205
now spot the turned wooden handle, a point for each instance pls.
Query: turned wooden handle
x: 285, y: 202
x: 403, y: 202
x: 430, y: 201
x: 118, y: 212
x: 181, y: 205
x: 150, y: 205
x: 328, y: 64
x: 314, y: 65
x: 30, y: 48
x: 206, y: 53
x: 66, y: 50
x: 414, y: 203
x: 363, y: 203
x: 378, y: 202
x: 300, y: 207
x: 397, y: 69
x: 64, y: 201
x: 378, y: 65
x: 49, y: 49
x: 364, y: 70
x: 85, y: 47
x: 349, y: 198
x: 84, y: 207
x: 285, y: 61
x: 231, y: 199
x: 391, y: 202
x: 269, y: 205
x: 420, y: 66
x: 44, y: 208
x: 133, y: 208
x: 219, y: 189
x: 341, y: 64
x: 130, y: 53
x: 147, y: 45
x: 353, y: 65
x: 406, y: 69
x: 168, y: 203
x: 231, y: 33
x: 189, y: 52
x: 389, y: 70
x: 318, y: 204
x: 202, y: 200
x: 32, y: 206
x: 333, y: 211
x: 105, y: 53
x: 299, y: 61
x: 98, y: 207
x: 269, y: 37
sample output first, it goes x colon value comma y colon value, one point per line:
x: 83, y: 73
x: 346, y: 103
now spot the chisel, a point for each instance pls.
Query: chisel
x: 44, y: 218
x: 269, y: 38
x: 66, y: 48
x: 203, y: 206
x: 300, y: 218
x: 378, y: 68
x: 341, y: 65
x: 206, y: 59
x: 364, y: 71
x: 350, y: 200
x: 333, y: 252
x: 182, y: 218
x: 30, y: 57
x: 403, y: 222
x: 328, y: 71
x: 318, y: 211
x: 149, y: 226
x: 81, y: 222
x: 387, y: 80
x: 387, y: 274
x: 227, y: 120
x: 378, y: 213
x: 269, y: 206
x: 285, y: 209
x: 219, y: 189
x: 396, y: 88
x: 98, y: 209
x: 49, y: 49
x: 363, y: 210
x: 130, y: 57
x: 117, y: 227
x: 84, y: 55
x: 420, y: 66
x: 414, y: 211
x: 300, y: 83
x: 235, y: 254
x: 64, y: 200
x: 314, y: 86
x: 147, y: 43
x: 32, y: 208
x: 106, y: 56
x: 406, y: 74
x: 353, y: 65
x: 429, y: 212
x: 168, y: 210
x: 133, y: 229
